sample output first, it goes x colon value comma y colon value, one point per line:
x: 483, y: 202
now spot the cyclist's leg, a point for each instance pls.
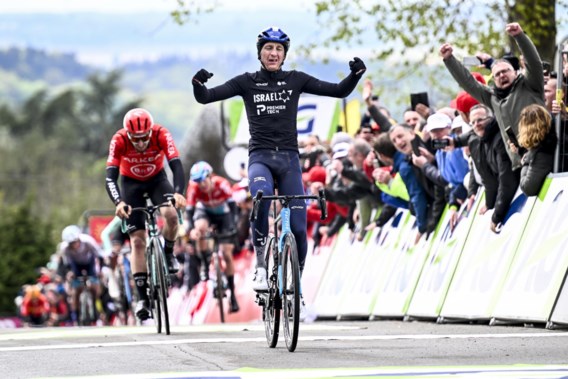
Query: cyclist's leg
x: 225, y: 225
x: 201, y: 223
x: 162, y: 189
x: 260, y: 178
x: 133, y: 195
x: 290, y: 183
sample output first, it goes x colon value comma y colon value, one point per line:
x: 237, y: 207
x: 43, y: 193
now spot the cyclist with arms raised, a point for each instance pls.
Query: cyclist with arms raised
x: 209, y: 199
x: 271, y: 98
x: 137, y: 154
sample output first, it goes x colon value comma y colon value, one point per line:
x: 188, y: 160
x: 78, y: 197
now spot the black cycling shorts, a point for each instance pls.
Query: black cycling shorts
x: 158, y: 189
x: 223, y: 223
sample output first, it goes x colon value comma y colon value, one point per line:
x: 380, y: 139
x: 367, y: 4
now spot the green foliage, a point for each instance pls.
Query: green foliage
x: 187, y: 10
x: 26, y: 244
x: 53, y: 151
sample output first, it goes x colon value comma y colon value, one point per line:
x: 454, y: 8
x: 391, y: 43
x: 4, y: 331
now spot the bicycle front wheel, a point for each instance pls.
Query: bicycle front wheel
x: 271, y: 310
x: 290, y: 291
x: 162, y: 284
x: 152, y: 263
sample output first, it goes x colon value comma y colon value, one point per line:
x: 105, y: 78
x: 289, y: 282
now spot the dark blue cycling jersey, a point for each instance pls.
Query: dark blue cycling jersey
x: 271, y: 102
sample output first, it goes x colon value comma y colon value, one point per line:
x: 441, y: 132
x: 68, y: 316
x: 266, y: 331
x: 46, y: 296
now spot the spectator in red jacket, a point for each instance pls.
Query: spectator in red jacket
x: 336, y: 214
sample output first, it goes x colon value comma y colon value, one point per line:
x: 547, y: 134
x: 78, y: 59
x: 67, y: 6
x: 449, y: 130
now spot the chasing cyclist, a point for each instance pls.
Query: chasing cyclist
x: 137, y: 153
x: 81, y: 253
x: 271, y: 98
x: 209, y: 203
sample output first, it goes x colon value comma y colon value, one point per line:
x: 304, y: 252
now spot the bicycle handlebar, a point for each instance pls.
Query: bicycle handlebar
x: 149, y: 210
x: 285, y: 199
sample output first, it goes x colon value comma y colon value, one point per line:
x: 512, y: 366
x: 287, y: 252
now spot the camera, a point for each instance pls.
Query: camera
x: 440, y: 143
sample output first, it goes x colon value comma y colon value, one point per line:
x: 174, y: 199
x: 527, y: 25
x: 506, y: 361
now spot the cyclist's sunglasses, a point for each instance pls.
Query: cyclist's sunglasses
x: 140, y: 137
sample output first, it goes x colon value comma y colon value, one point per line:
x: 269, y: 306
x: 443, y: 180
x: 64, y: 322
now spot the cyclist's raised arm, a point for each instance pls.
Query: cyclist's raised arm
x: 341, y: 89
x: 206, y: 95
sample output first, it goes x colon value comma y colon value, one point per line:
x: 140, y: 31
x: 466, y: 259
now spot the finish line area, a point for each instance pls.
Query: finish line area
x: 377, y: 349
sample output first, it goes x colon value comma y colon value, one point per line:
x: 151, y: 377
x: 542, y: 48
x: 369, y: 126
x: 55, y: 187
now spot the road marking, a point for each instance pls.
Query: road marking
x: 62, y: 332
x: 263, y: 339
x: 459, y: 372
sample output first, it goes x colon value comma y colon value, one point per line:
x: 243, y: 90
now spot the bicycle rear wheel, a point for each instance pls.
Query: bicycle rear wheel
x: 162, y: 285
x: 271, y: 310
x: 291, y: 292
x: 219, y: 289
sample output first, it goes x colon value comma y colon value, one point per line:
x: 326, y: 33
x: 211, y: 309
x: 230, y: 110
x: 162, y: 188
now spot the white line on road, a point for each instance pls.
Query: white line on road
x: 262, y: 339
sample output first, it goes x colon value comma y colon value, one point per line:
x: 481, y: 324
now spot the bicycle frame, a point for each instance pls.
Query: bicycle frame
x: 287, y: 296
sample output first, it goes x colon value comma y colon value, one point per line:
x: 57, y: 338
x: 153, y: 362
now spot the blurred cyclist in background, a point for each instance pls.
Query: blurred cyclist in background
x: 210, y: 203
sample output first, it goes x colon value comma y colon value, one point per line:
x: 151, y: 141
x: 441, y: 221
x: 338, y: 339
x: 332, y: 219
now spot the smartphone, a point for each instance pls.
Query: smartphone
x: 440, y: 143
x: 512, y: 136
x: 415, y: 146
x: 471, y: 61
x: 419, y: 98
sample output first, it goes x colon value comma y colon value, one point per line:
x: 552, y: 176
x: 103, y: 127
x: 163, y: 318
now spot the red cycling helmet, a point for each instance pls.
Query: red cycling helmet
x: 138, y: 121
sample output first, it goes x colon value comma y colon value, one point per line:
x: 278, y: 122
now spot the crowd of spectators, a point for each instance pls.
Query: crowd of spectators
x: 497, y: 133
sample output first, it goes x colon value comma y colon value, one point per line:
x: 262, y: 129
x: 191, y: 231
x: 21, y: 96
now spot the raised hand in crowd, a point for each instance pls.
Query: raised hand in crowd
x: 423, y: 110
x: 446, y: 50
x: 513, y: 29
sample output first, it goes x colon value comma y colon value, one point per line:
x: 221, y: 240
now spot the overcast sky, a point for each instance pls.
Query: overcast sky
x: 124, y: 6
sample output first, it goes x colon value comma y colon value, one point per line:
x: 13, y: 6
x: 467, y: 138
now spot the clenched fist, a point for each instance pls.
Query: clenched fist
x: 201, y: 77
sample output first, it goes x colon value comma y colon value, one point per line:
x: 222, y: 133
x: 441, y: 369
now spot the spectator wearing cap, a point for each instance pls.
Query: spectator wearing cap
x: 459, y: 126
x: 451, y: 163
x: 464, y: 101
x: 511, y: 92
x: 491, y: 161
x: 427, y: 199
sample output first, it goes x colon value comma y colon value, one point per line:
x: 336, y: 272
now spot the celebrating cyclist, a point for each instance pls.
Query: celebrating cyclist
x: 271, y: 98
x: 80, y: 252
x: 209, y: 203
x: 136, y: 153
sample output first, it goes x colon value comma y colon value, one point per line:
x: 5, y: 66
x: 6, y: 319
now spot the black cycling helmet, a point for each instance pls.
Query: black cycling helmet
x: 273, y: 34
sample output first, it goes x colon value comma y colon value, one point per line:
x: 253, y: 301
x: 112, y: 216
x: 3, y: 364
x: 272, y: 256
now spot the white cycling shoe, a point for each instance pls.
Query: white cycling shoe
x: 259, y: 282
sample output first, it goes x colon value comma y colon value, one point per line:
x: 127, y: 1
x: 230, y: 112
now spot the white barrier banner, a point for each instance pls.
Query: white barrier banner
x: 484, y: 263
x: 541, y: 261
x: 371, y: 273
x: 333, y: 285
x: 441, y: 264
x: 402, y: 272
x: 315, y: 267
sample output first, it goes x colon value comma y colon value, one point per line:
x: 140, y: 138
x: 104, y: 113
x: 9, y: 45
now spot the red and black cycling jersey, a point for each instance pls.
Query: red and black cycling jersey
x: 142, y: 166
x: 271, y: 102
x: 213, y: 200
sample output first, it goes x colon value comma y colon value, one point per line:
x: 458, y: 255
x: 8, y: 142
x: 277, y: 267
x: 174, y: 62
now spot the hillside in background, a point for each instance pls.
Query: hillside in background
x: 164, y: 84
